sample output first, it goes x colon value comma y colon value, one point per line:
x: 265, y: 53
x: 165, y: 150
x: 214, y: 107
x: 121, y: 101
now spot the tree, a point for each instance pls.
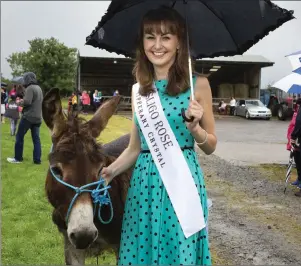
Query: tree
x: 53, y: 63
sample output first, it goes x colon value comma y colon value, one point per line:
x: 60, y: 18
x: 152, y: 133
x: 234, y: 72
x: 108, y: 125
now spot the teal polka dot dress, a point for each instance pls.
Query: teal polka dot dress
x: 151, y: 233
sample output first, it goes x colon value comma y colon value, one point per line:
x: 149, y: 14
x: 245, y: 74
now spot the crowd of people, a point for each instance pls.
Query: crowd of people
x: 22, y: 106
x: 222, y: 106
x: 27, y: 99
x: 86, y: 101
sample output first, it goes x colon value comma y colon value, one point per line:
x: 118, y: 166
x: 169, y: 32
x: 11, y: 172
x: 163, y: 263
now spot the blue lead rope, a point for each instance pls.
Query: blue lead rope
x: 99, y: 195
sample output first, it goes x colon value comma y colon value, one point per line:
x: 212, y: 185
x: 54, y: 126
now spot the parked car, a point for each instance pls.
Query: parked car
x: 252, y: 108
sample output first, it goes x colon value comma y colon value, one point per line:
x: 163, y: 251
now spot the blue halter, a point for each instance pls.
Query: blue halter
x: 99, y: 195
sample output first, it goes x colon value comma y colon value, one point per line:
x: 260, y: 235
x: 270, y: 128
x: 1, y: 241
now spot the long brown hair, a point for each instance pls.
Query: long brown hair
x: 178, y: 74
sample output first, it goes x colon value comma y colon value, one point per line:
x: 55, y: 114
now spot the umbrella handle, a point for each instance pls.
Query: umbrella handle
x: 189, y: 120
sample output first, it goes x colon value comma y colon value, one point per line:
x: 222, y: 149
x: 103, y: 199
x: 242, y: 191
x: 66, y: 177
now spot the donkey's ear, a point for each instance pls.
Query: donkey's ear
x: 52, y: 111
x: 101, y: 118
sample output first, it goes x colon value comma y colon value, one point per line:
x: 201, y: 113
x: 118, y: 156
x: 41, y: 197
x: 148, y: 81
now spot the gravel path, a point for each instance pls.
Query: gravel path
x: 251, y: 222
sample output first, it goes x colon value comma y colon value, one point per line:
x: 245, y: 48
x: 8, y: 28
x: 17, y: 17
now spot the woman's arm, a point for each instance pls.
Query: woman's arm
x: 129, y: 155
x: 204, y: 132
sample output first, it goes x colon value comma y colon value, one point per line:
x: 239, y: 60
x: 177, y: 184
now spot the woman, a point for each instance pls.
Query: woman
x: 85, y: 101
x: 13, y: 91
x: 297, y: 156
x: 293, y: 134
x: 151, y: 232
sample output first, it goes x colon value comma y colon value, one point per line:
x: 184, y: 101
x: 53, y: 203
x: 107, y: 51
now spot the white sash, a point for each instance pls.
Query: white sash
x: 170, y: 161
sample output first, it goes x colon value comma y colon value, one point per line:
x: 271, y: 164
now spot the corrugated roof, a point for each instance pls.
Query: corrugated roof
x: 231, y: 59
x: 241, y: 59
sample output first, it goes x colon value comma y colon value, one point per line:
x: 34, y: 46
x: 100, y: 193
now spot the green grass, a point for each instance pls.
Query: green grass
x: 65, y: 103
x: 28, y: 234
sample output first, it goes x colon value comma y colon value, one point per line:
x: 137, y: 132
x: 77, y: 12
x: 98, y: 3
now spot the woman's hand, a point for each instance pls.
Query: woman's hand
x: 196, y: 110
x: 107, y: 174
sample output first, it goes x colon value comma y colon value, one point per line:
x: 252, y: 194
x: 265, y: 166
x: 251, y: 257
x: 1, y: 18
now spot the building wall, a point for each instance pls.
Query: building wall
x: 237, y: 81
x: 252, y: 78
x: 106, y: 86
x: 106, y: 76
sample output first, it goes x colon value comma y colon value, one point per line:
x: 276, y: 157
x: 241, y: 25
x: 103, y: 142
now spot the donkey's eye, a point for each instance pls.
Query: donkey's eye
x: 57, y: 171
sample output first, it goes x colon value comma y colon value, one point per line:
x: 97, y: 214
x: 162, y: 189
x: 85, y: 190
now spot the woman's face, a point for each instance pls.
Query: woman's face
x: 161, y: 48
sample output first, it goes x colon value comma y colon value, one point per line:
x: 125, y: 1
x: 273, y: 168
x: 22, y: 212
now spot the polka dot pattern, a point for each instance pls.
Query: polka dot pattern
x: 151, y: 233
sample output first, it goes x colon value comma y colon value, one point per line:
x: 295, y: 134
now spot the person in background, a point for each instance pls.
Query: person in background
x: 85, y: 98
x: 31, y: 119
x: 3, y: 102
x: 13, y: 113
x: 232, y: 105
x: 116, y: 92
x: 96, y: 99
x: 99, y: 95
x: 70, y: 102
x: 13, y: 91
x: 222, y: 107
x: 294, y: 134
x: 74, y: 102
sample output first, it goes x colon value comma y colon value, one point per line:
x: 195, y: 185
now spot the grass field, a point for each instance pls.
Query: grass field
x: 28, y: 235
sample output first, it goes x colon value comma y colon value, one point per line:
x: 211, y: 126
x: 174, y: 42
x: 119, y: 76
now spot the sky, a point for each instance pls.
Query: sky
x: 72, y: 21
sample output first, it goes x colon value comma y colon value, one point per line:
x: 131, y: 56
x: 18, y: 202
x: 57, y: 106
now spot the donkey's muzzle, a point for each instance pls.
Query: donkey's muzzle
x: 83, y: 239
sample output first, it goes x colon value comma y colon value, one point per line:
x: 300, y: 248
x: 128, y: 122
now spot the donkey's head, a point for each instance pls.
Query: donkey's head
x: 76, y: 158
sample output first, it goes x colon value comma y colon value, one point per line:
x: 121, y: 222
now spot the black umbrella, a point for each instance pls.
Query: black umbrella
x: 215, y: 27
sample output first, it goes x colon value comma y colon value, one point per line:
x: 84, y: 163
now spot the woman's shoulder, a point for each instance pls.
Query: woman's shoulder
x: 202, y: 87
x: 201, y: 83
x: 199, y: 77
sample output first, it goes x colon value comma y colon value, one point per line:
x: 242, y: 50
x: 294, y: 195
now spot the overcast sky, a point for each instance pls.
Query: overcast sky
x: 72, y: 21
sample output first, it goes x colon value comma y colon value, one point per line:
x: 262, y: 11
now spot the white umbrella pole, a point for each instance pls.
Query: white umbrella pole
x: 188, y: 119
x: 189, y: 57
x: 190, y: 76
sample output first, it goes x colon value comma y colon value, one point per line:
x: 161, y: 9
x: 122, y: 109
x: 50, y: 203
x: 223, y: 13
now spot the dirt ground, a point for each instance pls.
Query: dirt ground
x: 251, y: 222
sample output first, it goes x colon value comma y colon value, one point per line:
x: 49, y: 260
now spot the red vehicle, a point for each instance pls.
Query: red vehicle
x: 280, y: 103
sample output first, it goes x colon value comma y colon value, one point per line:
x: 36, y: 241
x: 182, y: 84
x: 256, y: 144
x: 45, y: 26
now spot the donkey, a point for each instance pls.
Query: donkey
x: 77, y: 159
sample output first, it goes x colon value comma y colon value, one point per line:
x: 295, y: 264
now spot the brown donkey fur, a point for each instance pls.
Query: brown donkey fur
x: 78, y: 159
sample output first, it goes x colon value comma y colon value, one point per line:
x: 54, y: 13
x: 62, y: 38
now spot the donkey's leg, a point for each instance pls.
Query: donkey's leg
x: 73, y: 256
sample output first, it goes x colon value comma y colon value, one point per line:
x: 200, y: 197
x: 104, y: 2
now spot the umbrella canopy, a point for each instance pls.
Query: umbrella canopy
x: 298, y: 71
x: 18, y: 80
x: 215, y: 27
x: 290, y: 83
x: 295, y: 60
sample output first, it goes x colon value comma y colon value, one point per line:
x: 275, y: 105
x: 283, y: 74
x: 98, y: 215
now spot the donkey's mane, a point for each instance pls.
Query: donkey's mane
x: 76, y: 140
